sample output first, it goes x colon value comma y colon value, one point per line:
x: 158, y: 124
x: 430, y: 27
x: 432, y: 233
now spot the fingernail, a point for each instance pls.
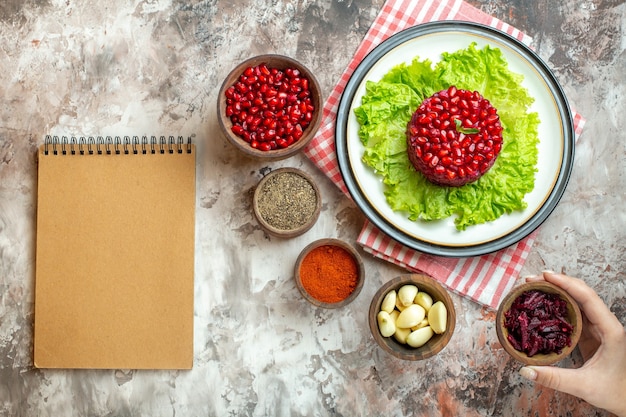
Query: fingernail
x: 548, y: 271
x: 528, y: 373
x: 530, y: 277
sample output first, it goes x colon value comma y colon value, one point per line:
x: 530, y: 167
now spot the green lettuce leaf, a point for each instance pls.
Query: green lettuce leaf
x: 387, y: 107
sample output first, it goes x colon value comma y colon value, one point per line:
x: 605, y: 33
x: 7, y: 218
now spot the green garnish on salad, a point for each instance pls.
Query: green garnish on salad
x: 387, y: 107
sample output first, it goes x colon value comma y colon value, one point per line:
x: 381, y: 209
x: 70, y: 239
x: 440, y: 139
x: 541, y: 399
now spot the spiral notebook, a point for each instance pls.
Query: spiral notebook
x: 114, y: 280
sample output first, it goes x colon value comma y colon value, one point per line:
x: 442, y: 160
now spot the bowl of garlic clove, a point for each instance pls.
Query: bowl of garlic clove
x: 412, y: 317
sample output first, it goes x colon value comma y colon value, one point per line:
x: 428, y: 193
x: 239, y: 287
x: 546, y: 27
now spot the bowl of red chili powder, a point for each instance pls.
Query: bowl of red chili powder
x: 538, y: 323
x: 270, y: 106
x: 329, y: 273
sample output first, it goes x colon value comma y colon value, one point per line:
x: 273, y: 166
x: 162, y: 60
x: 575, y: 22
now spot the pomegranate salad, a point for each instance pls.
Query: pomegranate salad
x: 454, y: 137
x: 477, y: 162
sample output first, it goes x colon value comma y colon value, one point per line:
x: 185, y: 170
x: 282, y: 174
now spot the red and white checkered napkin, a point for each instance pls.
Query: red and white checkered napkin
x: 484, y: 279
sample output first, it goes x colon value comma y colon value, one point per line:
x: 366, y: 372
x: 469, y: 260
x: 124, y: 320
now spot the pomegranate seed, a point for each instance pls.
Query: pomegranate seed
x: 454, y: 137
x: 237, y: 130
x: 269, y: 108
x: 297, y: 132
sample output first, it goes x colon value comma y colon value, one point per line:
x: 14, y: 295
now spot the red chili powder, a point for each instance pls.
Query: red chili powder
x: 329, y: 273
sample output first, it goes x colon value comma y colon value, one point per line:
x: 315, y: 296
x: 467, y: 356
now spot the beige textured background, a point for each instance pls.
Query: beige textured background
x: 154, y: 67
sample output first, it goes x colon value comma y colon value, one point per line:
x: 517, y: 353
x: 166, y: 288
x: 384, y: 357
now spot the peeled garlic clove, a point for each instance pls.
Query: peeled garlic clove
x: 419, y: 337
x: 386, y: 324
x: 401, y: 334
x: 407, y: 294
x: 424, y: 299
x: 389, y: 302
x: 410, y: 316
x: 421, y: 324
x: 438, y: 317
x: 399, y: 305
x: 394, y: 315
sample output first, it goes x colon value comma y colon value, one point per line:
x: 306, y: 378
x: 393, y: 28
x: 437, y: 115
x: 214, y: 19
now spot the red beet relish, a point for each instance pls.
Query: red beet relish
x: 537, y: 323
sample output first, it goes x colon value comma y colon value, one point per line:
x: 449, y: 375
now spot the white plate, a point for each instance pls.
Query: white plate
x: 556, y: 141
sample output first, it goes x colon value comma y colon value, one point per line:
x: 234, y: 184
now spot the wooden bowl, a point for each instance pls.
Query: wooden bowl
x: 437, y: 342
x: 279, y: 62
x: 573, y: 316
x: 360, y: 270
x: 291, y: 197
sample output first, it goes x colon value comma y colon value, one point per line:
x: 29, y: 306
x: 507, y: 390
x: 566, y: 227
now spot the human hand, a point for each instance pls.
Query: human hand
x: 601, y: 381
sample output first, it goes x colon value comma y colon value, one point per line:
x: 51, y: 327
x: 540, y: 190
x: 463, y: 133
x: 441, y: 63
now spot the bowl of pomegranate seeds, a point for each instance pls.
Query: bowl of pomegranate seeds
x: 538, y: 323
x: 270, y: 106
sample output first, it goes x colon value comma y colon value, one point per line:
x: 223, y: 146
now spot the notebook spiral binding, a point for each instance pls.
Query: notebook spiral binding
x: 115, y: 145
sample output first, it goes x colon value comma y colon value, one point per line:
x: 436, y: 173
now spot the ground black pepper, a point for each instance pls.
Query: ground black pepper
x: 287, y: 201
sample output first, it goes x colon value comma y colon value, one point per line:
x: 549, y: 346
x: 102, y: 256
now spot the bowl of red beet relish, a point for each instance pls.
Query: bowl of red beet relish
x: 538, y: 323
x: 270, y: 107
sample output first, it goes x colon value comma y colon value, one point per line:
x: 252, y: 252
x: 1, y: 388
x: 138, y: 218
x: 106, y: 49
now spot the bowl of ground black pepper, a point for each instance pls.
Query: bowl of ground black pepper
x: 287, y: 202
x: 329, y: 273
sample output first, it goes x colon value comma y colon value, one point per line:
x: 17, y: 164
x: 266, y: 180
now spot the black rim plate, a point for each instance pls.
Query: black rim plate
x: 556, y: 135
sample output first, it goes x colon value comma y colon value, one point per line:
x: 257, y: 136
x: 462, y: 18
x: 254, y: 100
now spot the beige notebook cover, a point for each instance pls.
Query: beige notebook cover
x: 114, y: 285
